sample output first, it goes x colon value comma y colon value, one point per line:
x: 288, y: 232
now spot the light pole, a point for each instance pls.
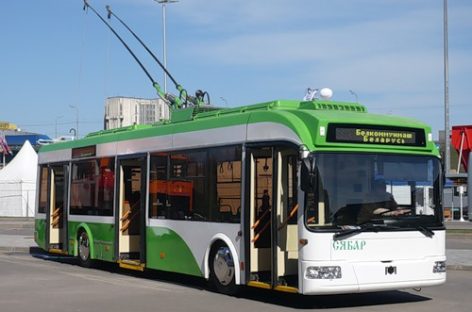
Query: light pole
x: 355, y: 95
x: 76, y: 120
x: 55, y: 125
x: 224, y: 100
x: 447, y: 139
x: 164, y: 48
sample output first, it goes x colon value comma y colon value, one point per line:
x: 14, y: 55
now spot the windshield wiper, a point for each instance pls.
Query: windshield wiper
x: 373, y: 225
x: 427, y: 232
x: 348, y: 230
x: 409, y: 223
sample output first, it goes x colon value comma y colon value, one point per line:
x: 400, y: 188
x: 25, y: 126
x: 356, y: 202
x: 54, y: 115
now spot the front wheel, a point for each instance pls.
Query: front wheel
x: 84, y: 250
x: 222, y: 272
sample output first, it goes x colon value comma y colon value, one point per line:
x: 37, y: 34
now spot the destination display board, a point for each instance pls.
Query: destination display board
x: 382, y: 135
x: 87, y: 151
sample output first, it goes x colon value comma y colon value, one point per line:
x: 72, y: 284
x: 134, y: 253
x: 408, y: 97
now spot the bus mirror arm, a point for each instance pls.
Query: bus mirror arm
x: 308, y: 174
x: 443, y: 177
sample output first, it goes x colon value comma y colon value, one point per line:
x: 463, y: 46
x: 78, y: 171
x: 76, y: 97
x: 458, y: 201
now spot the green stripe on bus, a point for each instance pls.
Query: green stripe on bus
x: 101, y: 235
x: 167, y: 251
x: 40, y: 232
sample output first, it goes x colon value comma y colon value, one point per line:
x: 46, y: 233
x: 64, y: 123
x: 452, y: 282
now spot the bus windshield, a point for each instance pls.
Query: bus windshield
x: 355, y: 189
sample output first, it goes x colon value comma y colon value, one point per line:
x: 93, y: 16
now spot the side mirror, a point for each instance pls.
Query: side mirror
x: 308, y: 174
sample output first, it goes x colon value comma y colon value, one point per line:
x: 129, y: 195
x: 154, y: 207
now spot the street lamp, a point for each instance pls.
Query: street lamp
x: 224, y: 100
x: 164, y: 2
x: 447, y: 141
x: 355, y: 95
x: 76, y: 120
x: 55, y: 125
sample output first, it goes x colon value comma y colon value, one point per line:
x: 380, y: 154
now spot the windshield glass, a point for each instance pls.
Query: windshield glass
x: 354, y: 189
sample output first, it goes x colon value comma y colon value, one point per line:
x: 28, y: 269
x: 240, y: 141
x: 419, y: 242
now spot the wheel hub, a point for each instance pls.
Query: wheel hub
x: 223, y: 266
x: 84, y: 250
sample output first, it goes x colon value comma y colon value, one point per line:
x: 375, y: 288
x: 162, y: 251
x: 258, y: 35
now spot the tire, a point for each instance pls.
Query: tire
x: 83, y: 254
x: 222, y: 272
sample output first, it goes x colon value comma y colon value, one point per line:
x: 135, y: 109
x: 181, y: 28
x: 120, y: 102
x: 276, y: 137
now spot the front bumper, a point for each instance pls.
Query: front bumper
x: 369, y: 276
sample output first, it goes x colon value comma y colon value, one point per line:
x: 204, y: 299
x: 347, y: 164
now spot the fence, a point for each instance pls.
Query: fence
x: 17, y: 198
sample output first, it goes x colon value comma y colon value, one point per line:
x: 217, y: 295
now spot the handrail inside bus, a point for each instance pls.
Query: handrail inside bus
x: 56, y: 217
x: 290, y: 216
x: 258, y: 235
x: 127, y: 218
x: 260, y: 219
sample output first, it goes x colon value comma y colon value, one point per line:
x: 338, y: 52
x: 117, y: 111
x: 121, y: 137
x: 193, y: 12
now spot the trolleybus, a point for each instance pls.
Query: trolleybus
x: 311, y: 197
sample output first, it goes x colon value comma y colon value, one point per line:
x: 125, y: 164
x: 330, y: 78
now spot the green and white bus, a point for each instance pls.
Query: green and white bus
x: 281, y: 195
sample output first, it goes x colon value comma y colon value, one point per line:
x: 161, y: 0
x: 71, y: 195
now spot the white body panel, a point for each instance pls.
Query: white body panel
x: 200, y: 236
x: 265, y: 131
x: 365, y: 258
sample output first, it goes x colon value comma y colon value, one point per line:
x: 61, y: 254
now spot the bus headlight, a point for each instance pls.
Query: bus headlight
x: 323, y: 272
x: 439, y: 267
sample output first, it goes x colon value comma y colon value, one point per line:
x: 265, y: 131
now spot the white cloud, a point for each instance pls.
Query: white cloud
x: 414, y: 31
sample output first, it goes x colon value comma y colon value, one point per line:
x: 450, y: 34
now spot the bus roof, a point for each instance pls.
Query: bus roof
x: 311, y: 123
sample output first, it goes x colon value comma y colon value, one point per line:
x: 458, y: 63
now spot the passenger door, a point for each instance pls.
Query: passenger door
x: 272, y: 242
x: 56, y: 214
x: 130, y: 211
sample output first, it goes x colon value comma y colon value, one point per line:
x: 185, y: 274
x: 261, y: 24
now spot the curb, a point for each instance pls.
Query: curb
x: 12, y: 249
x: 462, y: 232
x: 459, y: 267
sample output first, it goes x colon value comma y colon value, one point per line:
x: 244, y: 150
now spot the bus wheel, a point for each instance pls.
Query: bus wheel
x: 84, y: 250
x: 222, y: 269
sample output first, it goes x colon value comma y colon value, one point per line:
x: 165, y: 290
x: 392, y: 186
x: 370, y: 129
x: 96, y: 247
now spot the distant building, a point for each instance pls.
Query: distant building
x: 5, y: 125
x: 451, y: 198
x: 127, y: 111
x: 16, y: 138
x: 454, y: 156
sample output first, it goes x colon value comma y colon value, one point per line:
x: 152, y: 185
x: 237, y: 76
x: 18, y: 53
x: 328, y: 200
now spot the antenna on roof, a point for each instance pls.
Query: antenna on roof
x: 310, y: 94
x: 314, y: 94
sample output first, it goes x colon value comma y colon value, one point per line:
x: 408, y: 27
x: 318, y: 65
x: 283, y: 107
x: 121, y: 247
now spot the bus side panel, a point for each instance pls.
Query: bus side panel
x: 40, y: 232
x: 167, y: 251
x: 102, y: 236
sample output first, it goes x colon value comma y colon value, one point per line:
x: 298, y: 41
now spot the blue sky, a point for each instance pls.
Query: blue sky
x: 389, y: 52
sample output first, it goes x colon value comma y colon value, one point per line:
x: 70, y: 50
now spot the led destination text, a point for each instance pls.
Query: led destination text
x: 376, y: 135
x: 387, y: 137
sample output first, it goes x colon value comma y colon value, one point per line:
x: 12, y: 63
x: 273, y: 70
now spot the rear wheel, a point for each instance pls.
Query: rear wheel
x: 222, y: 272
x: 84, y: 250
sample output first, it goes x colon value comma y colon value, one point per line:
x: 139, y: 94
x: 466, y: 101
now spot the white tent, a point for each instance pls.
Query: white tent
x: 18, y: 184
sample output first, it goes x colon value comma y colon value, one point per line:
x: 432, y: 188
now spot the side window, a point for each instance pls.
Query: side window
x: 187, y: 186
x: 92, y: 187
x: 226, y: 162
x: 158, y: 186
x: 43, y: 189
x: 106, y: 185
x: 199, y: 185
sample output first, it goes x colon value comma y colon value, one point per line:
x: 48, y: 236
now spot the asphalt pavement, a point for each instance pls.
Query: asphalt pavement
x: 17, y: 235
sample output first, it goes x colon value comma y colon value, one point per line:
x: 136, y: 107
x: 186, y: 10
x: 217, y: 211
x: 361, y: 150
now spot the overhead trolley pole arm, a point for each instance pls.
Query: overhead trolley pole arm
x: 154, y: 83
x: 176, y: 102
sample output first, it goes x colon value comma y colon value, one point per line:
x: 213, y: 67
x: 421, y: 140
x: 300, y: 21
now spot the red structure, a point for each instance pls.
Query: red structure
x: 461, y: 139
